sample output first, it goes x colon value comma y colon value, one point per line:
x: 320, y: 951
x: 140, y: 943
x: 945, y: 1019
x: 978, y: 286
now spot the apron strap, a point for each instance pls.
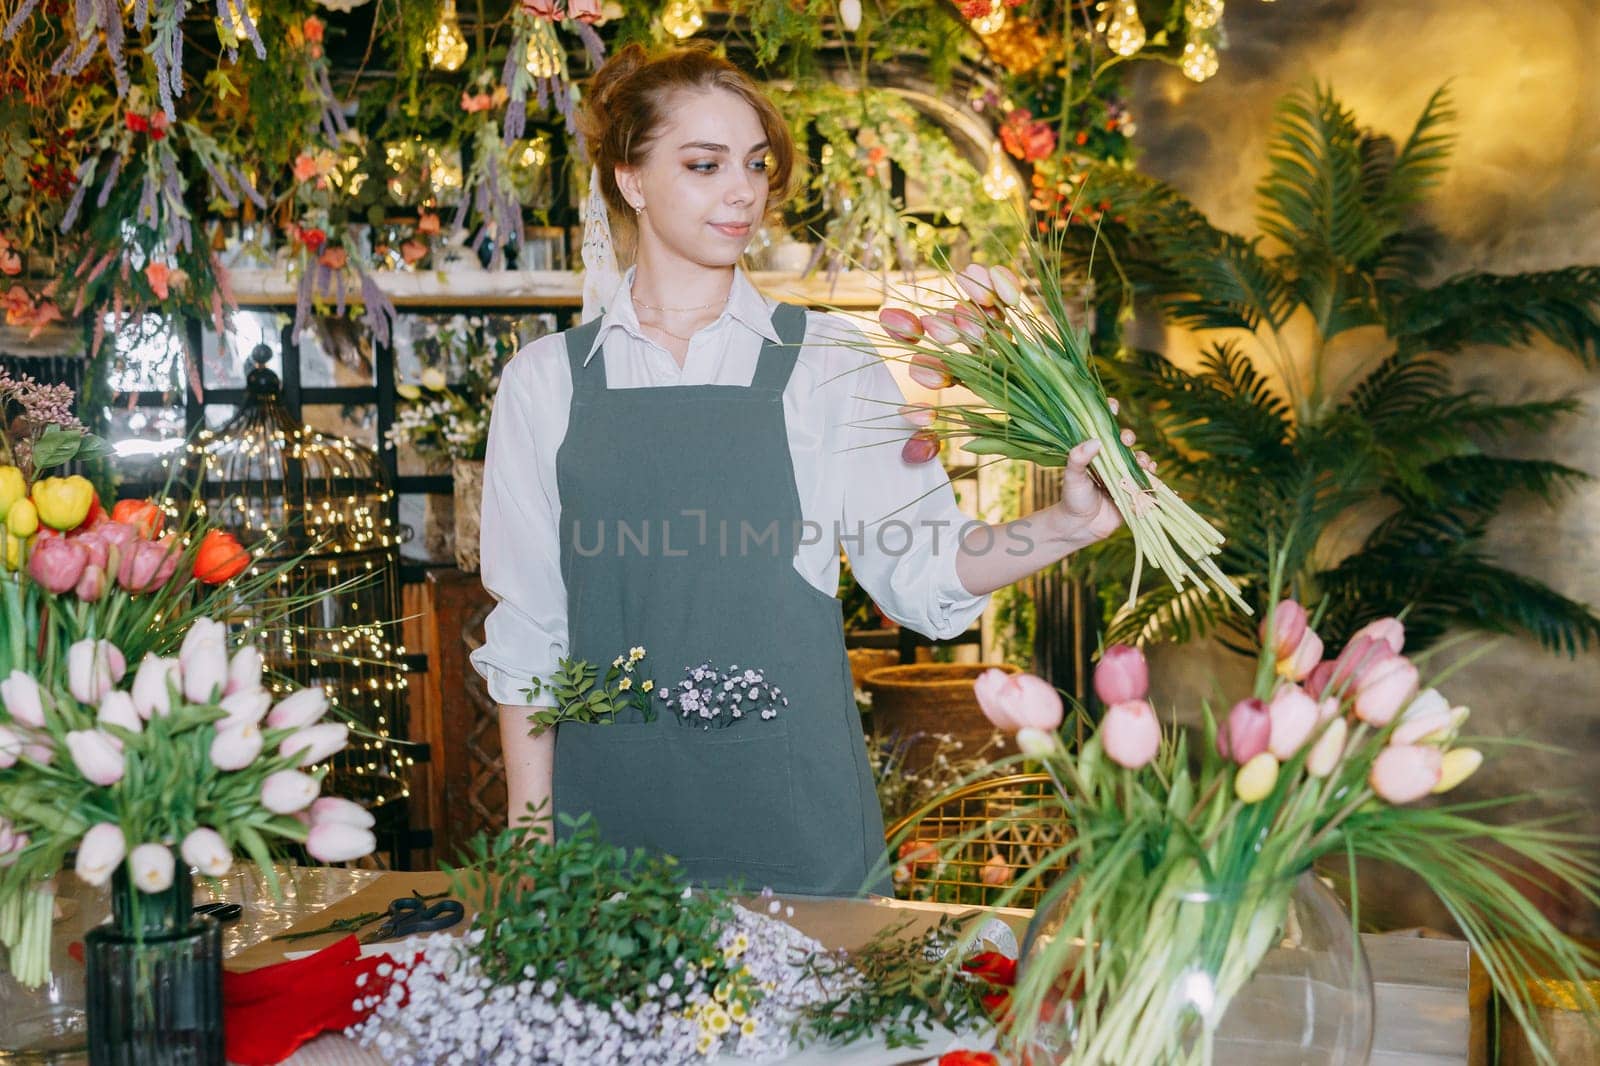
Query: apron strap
x: 579, y: 340
x: 777, y: 360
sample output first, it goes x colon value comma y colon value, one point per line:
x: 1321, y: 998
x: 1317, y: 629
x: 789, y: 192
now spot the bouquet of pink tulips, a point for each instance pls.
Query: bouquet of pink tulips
x: 190, y: 754
x: 1040, y: 397
x: 1338, y: 758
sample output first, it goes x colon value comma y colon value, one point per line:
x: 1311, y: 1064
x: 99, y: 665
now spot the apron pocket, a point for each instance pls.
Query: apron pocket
x: 721, y: 801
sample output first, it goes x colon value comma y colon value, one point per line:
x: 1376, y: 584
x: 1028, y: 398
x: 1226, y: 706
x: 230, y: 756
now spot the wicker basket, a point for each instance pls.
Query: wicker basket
x: 914, y: 701
x: 864, y: 661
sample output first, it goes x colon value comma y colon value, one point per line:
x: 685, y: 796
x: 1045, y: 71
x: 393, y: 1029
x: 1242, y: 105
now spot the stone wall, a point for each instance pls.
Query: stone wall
x: 1523, y: 194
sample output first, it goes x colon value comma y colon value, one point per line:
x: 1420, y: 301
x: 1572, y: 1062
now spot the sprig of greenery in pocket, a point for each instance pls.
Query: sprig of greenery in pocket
x: 582, y: 696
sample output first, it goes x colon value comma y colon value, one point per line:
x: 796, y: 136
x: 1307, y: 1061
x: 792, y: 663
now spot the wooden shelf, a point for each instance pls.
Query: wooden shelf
x: 256, y: 286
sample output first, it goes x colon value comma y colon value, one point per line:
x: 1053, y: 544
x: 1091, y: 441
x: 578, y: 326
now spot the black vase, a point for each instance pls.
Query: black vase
x: 155, y: 979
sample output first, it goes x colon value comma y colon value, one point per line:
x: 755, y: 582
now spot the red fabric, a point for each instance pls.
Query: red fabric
x: 268, y: 1013
x: 968, y: 1058
x: 998, y: 972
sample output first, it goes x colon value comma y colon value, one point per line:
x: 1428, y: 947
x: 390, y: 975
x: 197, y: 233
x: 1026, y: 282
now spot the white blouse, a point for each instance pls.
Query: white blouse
x: 898, y: 521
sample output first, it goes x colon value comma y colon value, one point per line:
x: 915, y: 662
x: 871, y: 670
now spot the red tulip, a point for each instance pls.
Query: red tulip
x: 900, y: 324
x: 1121, y: 675
x: 141, y: 514
x: 220, y: 558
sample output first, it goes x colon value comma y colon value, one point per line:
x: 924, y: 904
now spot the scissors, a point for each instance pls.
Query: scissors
x: 410, y: 915
x: 222, y: 911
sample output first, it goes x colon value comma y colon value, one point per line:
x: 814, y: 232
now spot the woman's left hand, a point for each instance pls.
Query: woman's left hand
x: 1086, y: 513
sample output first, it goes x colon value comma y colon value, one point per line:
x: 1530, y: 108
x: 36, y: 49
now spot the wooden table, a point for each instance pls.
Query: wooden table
x: 1420, y: 985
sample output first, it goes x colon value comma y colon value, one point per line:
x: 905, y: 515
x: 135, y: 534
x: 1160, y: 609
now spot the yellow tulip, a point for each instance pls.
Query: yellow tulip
x: 63, y: 502
x: 13, y: 487
x: 22, y: 519
x: 13, y: 552
x: 1256, y: 778
x: 1458, y: 765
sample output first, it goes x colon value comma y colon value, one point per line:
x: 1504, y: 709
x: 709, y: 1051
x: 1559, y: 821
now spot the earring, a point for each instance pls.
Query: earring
x: 638, y: 209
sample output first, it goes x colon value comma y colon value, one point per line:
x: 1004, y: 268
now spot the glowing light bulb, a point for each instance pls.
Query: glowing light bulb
x: 544, y: 61
x: 447, y: 49
x: 990, y: 23
x: 999, y: 182
x: 1199, y: 60
x: 683, y: 18
x: 1203, y: 14
x: 1124, y: 32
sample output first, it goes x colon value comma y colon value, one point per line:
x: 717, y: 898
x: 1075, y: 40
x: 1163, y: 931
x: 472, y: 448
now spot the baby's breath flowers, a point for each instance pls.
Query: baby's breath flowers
x: 714, y: 698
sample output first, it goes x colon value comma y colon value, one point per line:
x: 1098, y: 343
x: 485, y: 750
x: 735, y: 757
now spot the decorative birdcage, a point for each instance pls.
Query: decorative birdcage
x: 290, y: 492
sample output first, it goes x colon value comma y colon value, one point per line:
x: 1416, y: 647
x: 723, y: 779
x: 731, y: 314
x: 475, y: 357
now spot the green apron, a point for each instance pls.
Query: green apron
x: 680, y: 518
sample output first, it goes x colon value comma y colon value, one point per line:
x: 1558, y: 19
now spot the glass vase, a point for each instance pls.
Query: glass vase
x: 1269, y: 973
x: 155, y: 979
x: 43, y: 1023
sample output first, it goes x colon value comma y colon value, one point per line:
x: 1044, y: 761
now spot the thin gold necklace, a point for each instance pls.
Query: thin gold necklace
x: 700, y: 307
x: 668, y: 332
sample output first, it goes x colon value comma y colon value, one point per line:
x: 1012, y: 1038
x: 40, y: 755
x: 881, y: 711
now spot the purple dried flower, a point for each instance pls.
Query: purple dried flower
x: 16, y: 20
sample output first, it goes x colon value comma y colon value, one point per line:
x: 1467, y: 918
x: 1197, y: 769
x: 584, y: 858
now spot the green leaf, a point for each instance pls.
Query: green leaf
x: 55, y: 446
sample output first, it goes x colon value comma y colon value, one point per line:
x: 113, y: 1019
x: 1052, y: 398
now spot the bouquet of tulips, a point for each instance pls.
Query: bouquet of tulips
x: 178, y: 763
x: 1329, y: 758
x: 1040, y: 397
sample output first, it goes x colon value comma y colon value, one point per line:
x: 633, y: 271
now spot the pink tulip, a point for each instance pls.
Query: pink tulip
x: 1388, y: 630
x: 97, y: 755
x: 968, y: 324
x: 1316, y: 682
x: 1404, y: 773
x: 206, y: 851
x: 343, y: 811
x: 337, y: 842
x: 151, y: 867
x: 921, y: 447
x: 1327, y: 710
x: 1130, y: 733
x: 1303, y: 660
x: 1385, y: 689
x: 147, y: 565
x: 1294, y: 716
x: 57, y: 562
x: 1328, y: 749
x: 941, y: 330
x: 204, y: 660
x: 8, y: 837
x: 93, y: 667
x: 1121, y: 675
x: 918, y: 414
x: 117, y: 709
x: 1427, y: 715
x: 96, y: 547
x: 287, y: 791
x: 900, y: 324
x: 1359, y: 658
x: 316, y: 742
x: 1288, y: 622
x: 235, y: 747
x: 22, y: 698
x: 1007, y: 285
x: 1246, y: 732
x: 244, y: 671
x: 40, y: 751
x: 153, y: 684
x: 975, y: 282
x: 91, y: 584
x: 1018, y: 701
x: 245, y: 708
x: 930, y: 372
x: 298, y: 709
x: 100, y: 852
x: 11, y: 746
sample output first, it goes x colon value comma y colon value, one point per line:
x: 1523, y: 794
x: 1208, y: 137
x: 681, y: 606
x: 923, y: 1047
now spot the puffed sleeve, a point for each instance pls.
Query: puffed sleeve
x: 900, y: 522
x: 519, y: 540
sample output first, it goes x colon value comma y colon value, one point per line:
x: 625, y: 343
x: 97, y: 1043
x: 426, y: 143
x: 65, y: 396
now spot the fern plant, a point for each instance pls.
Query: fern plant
x: 1383, y: 479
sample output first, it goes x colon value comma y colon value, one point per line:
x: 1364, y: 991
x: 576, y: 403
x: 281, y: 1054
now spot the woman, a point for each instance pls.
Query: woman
x: 679, y: 475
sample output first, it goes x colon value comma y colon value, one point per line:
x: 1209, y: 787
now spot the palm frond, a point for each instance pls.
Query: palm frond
x: 1482, y: 482
x: 1313, y: 199
x: 1426, y: 152
x: 1504, y: 309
